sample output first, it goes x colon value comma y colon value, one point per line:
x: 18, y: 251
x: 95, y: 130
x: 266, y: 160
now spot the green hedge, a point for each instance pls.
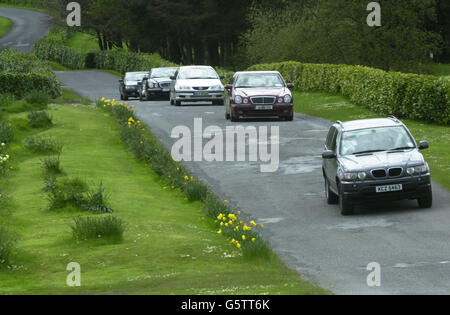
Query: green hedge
x: 22, y: 73
x: 420, y: 97
x: 53, y: 50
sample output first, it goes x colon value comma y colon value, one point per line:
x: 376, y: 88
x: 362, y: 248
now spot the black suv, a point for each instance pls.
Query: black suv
x: 374, y: 159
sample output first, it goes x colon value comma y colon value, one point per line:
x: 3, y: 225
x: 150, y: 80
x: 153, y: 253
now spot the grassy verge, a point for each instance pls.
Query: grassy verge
x: 336, y: 107
x: 5, y: 26
x: 440, y: 69
x: 169, y: 245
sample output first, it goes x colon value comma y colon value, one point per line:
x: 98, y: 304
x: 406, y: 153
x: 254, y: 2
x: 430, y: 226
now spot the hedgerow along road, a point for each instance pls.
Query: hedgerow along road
x: 411, y: 244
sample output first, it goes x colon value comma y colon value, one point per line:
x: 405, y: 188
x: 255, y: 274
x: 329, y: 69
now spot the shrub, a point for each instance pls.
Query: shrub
x: 52, y: 165
x: 43, y: 145
x: 413, y: 96
x: 55, y: 50
x: 98, y: 201
x: 39, y: 99
x: 89, y: 228
x: 213, y: 206
x: 6, y: 132
x: 6, y: 99
x: 6, y: 246
x: 66, y: 192
x: 39, y: 119
x: 22, y: 73
x: 195, y: 190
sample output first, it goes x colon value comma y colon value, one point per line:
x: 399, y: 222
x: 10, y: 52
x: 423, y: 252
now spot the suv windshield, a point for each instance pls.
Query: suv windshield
x: 198, y: 73
x: 135, y: 76
x: 259, y: 80
x: 376, y: 140
x: 163, y: 73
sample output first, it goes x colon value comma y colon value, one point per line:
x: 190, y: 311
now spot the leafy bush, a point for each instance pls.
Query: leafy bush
x: 97, y: 201
x: 89, y: 228
x: 21, y: 73
x: 6, y: 99
x: 76, y: 193
x: 6, y: 246
x: 66, y: 192
x: 55, y: 50
x: 52, y: 165
x: 39, y: 99
x: 195, y: 190
x: 6, y: 132
x: 39, y: 119
x: 413, y: 96
x: 43, y: 145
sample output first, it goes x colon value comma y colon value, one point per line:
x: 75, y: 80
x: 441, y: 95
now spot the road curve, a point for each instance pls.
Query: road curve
x: 29, y: 27
x: 411, y: 245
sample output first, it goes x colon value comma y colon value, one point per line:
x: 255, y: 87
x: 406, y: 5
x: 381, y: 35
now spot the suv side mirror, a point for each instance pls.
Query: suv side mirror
x: 290, y: 85
x: 328, y: 155
x: 222, y: 77
x: 173, y: 78
x: 424, y: 145
x: 139, y: 83
x: 120, y: 80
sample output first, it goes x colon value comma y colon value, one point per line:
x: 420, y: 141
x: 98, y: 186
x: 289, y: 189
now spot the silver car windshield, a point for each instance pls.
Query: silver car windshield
x: 135, y: 76
x: 259, y: 80
x: 376, y: 140
x: 163, y: 73
x: 197, y: 73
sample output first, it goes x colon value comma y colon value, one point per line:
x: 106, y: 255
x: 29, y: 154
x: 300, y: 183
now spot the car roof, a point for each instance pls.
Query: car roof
x: 137, y: 72
x: 165, y: 68
x: 194, y: 67
x: 261, y: 72
x: 370, y: 123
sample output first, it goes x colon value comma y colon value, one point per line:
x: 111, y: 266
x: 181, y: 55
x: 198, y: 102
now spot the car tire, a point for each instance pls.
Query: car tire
x: 177, y: 103
x: 141, y: 99
x: 332, y: 198
x: 233, y: 118
x: 227, y: 116
x: 427, y: 201
x: 346, y: 207
x: 121, y: 96
x: 125, y: 97
x: 290, y: 118
x: 218, y: 103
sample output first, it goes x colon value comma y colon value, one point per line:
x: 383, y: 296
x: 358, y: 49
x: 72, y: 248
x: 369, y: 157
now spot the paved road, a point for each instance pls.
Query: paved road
x: 411, y: 245
x: 29, y: 27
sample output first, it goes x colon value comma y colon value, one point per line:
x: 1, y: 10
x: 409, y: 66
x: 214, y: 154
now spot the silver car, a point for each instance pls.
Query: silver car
x: 196, y: 84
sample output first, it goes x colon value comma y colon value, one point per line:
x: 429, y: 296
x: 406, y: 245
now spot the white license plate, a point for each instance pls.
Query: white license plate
x: 264, y: 107
x: 200, y: 93
x: 389, y: 188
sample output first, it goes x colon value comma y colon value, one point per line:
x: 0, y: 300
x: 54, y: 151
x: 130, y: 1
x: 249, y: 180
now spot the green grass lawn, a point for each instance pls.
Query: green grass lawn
x: 336, y: 107
x: 83, y: 42
x: 5, y: 26
x: 170, y: 246
x: 440, y: 69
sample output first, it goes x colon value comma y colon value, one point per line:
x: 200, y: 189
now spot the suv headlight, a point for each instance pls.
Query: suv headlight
x: 421, y: 169
x: 355, y: 176
x: 287, y: 99
x: 238, y: 99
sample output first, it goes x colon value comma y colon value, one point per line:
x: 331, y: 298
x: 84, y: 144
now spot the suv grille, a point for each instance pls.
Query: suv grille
x: 395, y: 172
x: 200, y: 88
x: 379, y: 173
x: 164, y: 84
x: 263, y: 100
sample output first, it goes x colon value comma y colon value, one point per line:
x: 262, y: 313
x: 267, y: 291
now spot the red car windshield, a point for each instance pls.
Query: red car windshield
x: 256, y: 80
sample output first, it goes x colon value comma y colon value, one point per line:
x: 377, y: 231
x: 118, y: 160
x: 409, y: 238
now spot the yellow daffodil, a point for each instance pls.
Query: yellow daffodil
x: 219, y: 232
x: 244, y: 237
x: 253, y: 223
x: 253, y: 240
x: 238, y: 245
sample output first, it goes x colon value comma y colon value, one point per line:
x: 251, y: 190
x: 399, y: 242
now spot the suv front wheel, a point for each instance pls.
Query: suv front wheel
x: 427, y: 201
x: 332, y: 198
x: 346, y: 207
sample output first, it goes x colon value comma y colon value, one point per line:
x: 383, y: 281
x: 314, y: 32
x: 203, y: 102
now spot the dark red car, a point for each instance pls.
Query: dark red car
x: 258, y: 94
